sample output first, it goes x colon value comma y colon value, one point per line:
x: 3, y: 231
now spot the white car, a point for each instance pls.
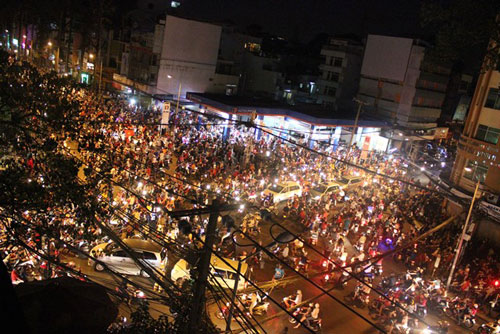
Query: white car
x: 118, y: 260
x: 350, y: 181
x: 323, y: 189
x: 283, y: 191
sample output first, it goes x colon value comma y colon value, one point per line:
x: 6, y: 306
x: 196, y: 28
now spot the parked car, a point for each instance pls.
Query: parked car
x: 283, y: 191
x: 117, y: 259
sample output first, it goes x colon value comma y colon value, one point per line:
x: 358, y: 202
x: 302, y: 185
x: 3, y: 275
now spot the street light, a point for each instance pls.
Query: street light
x: 49, y: 44
x: 91, y: 56
x: 461, y: 241
x: 178, y: 93
x: 360, y: 104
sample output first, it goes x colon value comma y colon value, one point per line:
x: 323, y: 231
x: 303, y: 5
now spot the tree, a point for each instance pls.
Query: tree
x: 39, y: 183
x: 463, y: 29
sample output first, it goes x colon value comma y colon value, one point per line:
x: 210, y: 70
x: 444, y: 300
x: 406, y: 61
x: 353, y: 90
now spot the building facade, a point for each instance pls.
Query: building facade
x: 402, y: 86
x: 339, y: 79
x: 479, y: 146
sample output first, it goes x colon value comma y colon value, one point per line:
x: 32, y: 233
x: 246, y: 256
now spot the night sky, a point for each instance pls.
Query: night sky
x: 303, y: 19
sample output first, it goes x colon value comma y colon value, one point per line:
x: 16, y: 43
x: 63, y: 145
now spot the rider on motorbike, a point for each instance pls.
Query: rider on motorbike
x: 309, y: 317
x: 293, y: 300
x: 469, y: 312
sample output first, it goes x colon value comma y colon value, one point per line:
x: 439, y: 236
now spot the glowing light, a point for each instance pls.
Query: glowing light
x: 132, y: 102
x: 422, y: 168
x: 268, y: 153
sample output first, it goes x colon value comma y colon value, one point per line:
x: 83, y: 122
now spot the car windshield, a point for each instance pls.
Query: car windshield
x: 321, y: 188
x: 276, y: 188
x: 344, y: 180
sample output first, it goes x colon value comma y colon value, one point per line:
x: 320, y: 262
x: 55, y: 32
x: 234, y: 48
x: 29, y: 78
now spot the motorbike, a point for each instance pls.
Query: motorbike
x: 374, y: 306
x: 486, y: 329
x: 451, y: 311
x: 441, y: 328
x: 327, y: 278
x: 421, y: 311
x: 357, y: 298
x: 301, y: 266
x: 298, y: 314
x: 377, y: 269
x: 314, y: 325
x: 259, y: 309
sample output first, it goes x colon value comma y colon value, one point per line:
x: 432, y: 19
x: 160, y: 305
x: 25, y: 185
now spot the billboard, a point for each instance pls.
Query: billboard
x: 190, y: 41
x: 386, y: 57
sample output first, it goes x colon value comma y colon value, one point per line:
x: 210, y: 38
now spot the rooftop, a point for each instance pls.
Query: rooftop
x: 310, y: 113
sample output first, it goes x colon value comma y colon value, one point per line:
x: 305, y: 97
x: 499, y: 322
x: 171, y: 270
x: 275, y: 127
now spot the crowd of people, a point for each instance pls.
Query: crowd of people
x: 145, y: 170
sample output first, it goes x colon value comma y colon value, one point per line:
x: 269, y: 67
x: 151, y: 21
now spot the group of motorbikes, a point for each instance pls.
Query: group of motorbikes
x: 246, y: 305
x: 302, y: 312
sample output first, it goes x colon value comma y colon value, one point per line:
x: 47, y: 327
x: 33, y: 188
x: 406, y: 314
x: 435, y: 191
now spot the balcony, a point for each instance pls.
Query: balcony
x: 479, y: 151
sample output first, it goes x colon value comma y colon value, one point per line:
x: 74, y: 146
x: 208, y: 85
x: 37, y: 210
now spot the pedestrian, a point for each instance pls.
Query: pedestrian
x: 279, y: 273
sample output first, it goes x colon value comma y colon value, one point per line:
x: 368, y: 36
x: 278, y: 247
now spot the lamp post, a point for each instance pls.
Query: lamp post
x: 91, y: 57
x: 178, y: 94
x: 360, y: 104
x: 461, y: 241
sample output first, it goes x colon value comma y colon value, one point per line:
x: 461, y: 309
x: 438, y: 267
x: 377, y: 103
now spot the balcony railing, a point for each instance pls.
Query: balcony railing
x: 479, y: 150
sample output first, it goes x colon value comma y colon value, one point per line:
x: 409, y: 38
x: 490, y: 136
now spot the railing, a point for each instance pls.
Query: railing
x: 479, y: 149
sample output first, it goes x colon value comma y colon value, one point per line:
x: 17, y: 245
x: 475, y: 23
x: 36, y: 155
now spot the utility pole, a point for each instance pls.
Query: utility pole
x: 233, y: 296
x: 360, y: 104
x: 178, y: 98
x: 198, y: 303
x: 461, y: 241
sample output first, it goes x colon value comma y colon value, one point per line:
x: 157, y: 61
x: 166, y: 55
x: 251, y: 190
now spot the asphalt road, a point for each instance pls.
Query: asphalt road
x: 335, y: 317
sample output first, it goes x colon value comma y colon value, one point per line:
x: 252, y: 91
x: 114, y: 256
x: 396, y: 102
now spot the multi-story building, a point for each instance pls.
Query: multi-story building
x: 478, y: 153
x: 339, y: 79
x: 402, y: 86
x: 177, y: 55
x: 262, y: 74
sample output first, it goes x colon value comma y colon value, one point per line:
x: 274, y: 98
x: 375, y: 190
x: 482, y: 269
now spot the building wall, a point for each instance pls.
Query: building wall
x: 339, y: 82
x: 473, y: 151
x: 397, y: 84
x: 189, y: 56
x: 260, y: 74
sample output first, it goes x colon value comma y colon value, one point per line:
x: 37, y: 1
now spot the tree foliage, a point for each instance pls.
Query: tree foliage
x: 461, y: 28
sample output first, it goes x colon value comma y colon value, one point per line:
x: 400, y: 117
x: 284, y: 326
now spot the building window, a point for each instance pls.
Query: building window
x: 475, y: 171
x: 330, y: 91
x: 332, y: 76
x: 488, y: 134
x: 337, y: 61
x: 493, y: 99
